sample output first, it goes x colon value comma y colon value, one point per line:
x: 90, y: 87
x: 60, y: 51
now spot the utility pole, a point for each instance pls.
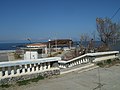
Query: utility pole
x: 49, y: 48
x: 56, y: 44
x: 70, y: 43
x: 30, y: 47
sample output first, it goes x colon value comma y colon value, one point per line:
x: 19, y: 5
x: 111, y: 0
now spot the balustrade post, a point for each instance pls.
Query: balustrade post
x: 75, y: 62
x: 23, y: 68
x: 5, y: 70
x: 28, y: 67
x: 15, y: 70
x: 18, y: 70
x: 37, y: 68
x: 33, y: 69
x: 79, y: 62
x: 0, y: 72
x: 40, y: 66
x: 83, y: 60
x: 12, y: 70
x: 48, y: 65
x: 45, y: 66
x: 69, y: 64
x: 86, y: 60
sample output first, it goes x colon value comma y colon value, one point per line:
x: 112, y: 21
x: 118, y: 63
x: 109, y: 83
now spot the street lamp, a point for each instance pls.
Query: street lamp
x: 70, y: 44
x: 49, y: 47
x: 56, y: 44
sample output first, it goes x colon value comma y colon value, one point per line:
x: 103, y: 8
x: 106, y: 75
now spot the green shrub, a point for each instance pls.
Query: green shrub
x: 25, y: 82
x: 100, y: 64
x: 5, y: 85
x: 109, y: 61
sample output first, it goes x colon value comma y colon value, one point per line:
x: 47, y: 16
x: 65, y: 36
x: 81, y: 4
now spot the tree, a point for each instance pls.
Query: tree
x: 108, y: 31
x: 84, y: 38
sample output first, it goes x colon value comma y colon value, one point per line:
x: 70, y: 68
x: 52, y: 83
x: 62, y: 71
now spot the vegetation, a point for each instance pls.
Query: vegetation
x: 108, y: 63
x: 17, y: 56
x: 56, y: 53
x: 25, y: 82
x: 5, y: 85
x: 109, y: 32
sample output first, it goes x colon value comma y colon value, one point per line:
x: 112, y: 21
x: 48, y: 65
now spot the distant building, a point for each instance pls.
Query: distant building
x: 41, y: 50
x: 64, y: 44
x: 35, y: 51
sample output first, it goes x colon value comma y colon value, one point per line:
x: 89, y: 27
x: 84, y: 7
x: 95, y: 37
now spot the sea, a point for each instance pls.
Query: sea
x: 14, y: 46
x: 11, y: 46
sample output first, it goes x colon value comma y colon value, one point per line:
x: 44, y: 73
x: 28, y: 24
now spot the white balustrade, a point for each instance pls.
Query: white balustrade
x: 88, y: 58
x: 48, y: 65
x: 37, y: 68
x: 41, y: 66
x: 23, y: 67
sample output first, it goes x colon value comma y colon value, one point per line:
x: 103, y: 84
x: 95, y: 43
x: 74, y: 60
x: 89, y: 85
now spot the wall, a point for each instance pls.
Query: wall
x: 31, y: 55
x: 29, y: 76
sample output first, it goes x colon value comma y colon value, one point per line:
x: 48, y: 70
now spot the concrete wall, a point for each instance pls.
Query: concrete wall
x: 31, y: 55
x: 29, y: 76
x: 3, y: 57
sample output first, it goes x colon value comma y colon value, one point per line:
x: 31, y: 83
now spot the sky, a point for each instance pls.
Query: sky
x: 54, y: 19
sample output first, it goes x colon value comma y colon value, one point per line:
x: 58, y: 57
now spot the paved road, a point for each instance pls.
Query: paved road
x: 109, y: 78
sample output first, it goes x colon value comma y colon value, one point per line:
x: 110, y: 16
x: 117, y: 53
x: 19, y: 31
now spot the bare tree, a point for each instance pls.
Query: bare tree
x: 107, y: 30
x: 84, y: 38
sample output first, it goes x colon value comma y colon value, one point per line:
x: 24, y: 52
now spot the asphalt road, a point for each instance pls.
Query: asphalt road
x: 89, y: 80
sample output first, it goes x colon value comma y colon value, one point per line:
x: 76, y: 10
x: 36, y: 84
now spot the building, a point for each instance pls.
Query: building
x: 35, y: 51
x: 42, y: 50
x: 63, y: 44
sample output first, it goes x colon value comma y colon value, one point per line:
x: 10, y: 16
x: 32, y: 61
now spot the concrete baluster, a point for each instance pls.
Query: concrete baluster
x: 28, y: 67
x: 79, y: 62
x: 33, y: 69
x: 40, y: 66
x: 34, y: 66
x: 18, y: 70
x: 75, y: 62
x: 48, y: 65
x: 23, y: 69
x: 0, y: 72
x: 69, y: 65
x: 44, y: 66
x: 12, y: 70
x: 5, y: 70
x: 37, y: 68
x: 86, y: 60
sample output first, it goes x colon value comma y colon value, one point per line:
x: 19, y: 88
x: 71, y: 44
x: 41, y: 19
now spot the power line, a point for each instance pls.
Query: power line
x: 115, y: 13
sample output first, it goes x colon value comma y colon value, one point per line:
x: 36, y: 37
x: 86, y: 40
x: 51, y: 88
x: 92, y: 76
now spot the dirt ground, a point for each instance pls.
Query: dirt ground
x: 109, y: 79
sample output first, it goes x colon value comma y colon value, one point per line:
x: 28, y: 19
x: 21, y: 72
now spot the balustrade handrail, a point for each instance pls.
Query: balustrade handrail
x: 102, y: 53
x: 72, y: 59
x: 90, y: 55
x: 23, y: 62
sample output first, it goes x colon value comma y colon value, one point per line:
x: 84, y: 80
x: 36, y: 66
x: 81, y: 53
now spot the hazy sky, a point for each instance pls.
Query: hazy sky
x: 43, y: 19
